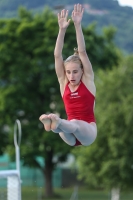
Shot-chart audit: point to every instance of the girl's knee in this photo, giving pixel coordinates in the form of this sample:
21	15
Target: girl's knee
68	138
89	141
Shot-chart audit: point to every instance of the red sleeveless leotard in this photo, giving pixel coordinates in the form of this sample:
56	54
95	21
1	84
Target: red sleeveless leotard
79	104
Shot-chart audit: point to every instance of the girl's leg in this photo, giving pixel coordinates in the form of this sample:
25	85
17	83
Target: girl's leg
69	138
85	132
57	130
65	125
52	122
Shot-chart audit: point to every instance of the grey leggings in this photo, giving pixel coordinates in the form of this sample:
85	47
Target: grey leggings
70	130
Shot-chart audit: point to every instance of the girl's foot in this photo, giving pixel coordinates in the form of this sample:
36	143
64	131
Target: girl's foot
55	121
46	121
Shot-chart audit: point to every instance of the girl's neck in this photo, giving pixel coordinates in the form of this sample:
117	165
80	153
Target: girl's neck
73	88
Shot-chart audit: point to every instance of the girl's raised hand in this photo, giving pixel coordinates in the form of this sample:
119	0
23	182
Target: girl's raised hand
77	13
62	19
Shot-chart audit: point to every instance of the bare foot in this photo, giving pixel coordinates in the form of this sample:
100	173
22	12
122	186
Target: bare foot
46	121
55	121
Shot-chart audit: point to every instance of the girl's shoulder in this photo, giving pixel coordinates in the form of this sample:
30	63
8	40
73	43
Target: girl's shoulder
89	84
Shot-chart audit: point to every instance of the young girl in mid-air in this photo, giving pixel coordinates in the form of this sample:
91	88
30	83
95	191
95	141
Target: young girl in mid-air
76	80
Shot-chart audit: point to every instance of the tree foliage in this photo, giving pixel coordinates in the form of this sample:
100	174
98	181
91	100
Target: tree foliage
28	83
108	162
105	13
29	86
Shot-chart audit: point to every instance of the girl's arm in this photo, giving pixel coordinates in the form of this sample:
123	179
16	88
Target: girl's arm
59	64
77	15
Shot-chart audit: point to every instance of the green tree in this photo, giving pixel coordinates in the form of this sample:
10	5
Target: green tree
29	87
108	162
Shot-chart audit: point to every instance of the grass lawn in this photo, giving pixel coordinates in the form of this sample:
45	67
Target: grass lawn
33	193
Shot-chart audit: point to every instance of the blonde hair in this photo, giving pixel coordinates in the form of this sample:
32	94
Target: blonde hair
74	58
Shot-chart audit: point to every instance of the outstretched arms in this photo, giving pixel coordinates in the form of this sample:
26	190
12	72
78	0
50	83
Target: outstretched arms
63	24
77	15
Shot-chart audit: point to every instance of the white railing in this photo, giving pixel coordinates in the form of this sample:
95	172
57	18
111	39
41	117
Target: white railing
12	177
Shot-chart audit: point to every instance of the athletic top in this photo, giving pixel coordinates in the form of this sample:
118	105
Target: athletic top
79	104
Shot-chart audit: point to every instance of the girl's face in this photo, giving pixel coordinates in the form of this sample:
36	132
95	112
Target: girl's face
74	73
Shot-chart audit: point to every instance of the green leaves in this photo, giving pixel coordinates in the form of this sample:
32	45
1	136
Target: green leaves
29	87
27	77
108	160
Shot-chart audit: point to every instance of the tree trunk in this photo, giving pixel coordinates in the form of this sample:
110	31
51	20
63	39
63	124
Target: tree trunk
48	183
48	173
115	194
